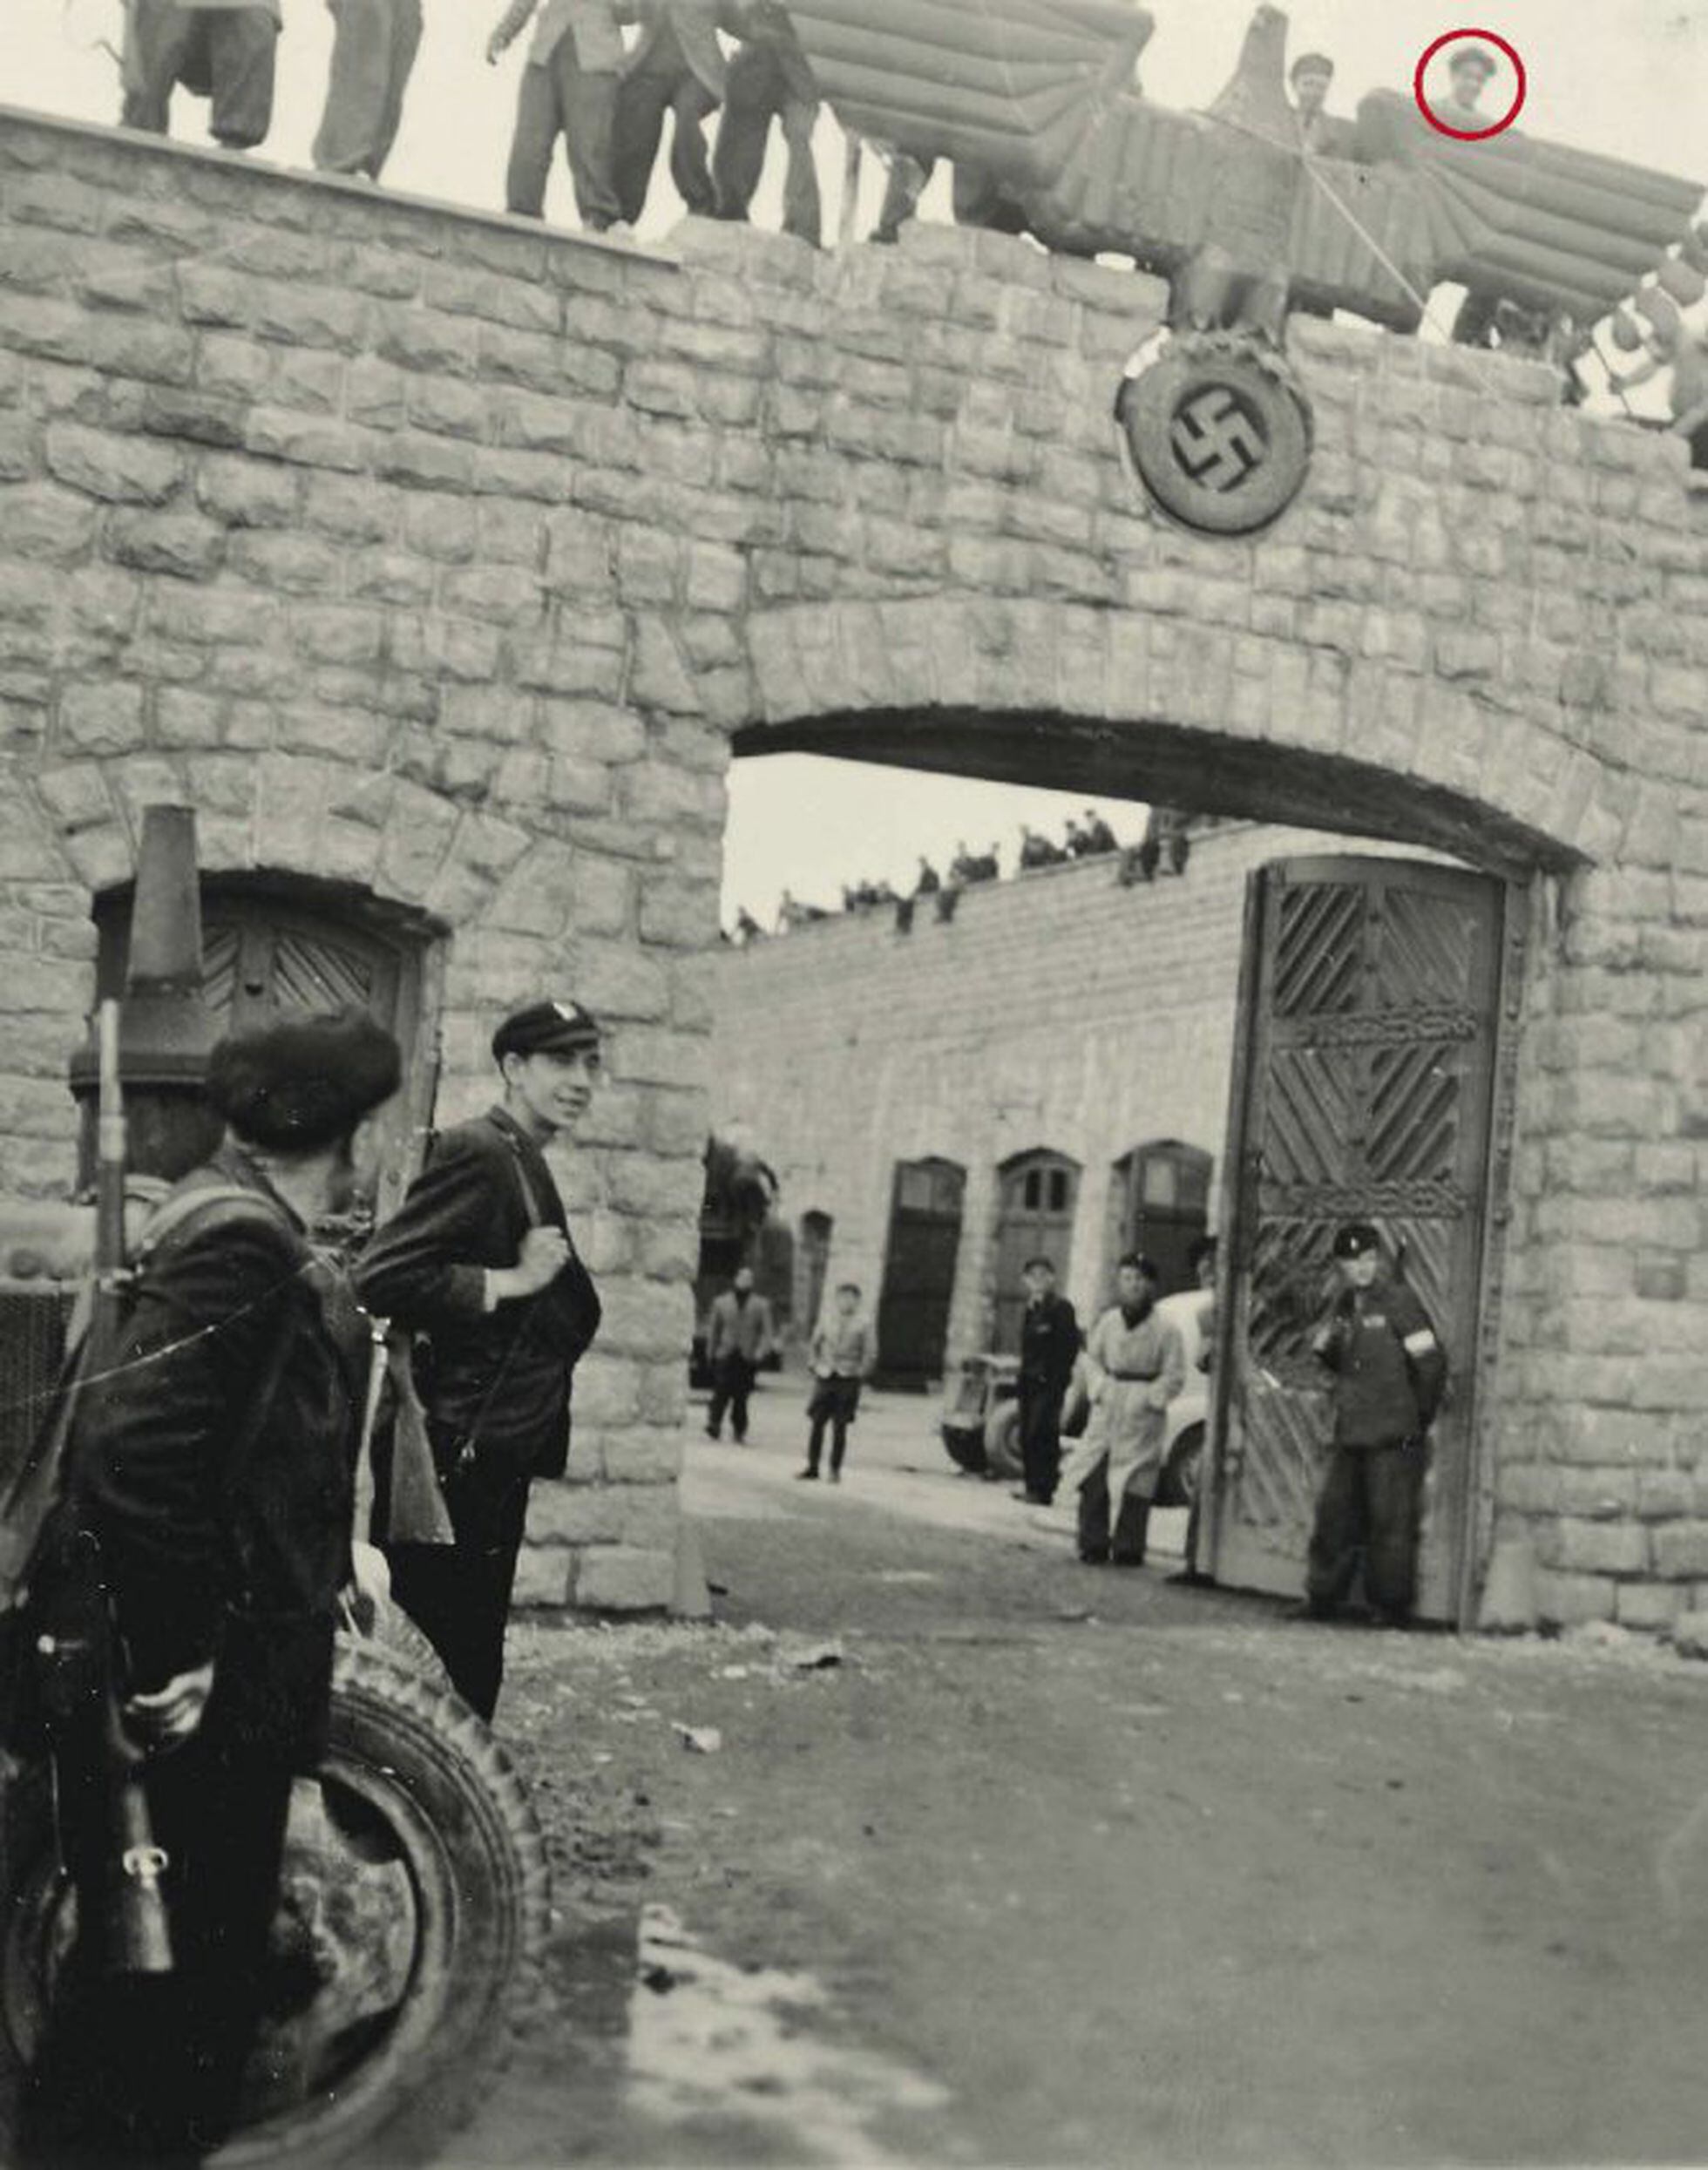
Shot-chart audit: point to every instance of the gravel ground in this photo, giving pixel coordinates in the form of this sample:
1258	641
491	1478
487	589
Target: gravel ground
938	1847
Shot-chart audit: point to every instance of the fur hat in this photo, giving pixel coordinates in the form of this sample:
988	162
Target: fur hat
305	1083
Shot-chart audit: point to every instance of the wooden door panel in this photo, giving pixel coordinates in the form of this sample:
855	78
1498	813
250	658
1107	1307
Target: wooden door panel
1369	1014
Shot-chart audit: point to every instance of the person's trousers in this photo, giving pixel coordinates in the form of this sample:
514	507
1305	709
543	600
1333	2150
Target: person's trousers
1041	1437
832	1407
757	93
1369	1510
665	84
227	53
149	2069
732	1382
903	188
560	97
374	46
458	1594
1125	1543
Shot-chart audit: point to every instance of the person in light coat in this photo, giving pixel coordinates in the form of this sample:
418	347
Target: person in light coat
1134	1366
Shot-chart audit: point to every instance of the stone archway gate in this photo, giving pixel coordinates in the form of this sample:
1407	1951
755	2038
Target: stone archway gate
445	557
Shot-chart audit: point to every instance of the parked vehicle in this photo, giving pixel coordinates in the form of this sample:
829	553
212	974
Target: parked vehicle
981	1416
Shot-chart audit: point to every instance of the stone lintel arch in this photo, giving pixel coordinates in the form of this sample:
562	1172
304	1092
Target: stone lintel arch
1123	704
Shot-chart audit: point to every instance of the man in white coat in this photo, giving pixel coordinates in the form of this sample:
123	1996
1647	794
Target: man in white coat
1134	1366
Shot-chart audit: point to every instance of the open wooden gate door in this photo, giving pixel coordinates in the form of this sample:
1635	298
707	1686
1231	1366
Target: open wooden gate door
1363	1088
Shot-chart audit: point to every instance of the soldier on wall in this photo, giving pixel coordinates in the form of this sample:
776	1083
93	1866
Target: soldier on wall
569	89
374	48
477	1262
676	67
771	78
211	1470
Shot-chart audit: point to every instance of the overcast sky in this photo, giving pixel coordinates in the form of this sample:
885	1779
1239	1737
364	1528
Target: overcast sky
1629	78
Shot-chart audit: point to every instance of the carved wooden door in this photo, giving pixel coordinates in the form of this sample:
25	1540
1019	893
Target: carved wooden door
1363	1088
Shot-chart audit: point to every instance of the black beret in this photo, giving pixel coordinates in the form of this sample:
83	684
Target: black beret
305	1083
1356	1239
1140	1264
1311	64
1475	57
558	1027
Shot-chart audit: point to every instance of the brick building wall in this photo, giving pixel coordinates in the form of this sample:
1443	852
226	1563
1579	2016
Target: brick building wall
438	559
1060	1010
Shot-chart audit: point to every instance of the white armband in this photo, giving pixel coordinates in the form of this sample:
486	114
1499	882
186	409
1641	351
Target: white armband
1421	1343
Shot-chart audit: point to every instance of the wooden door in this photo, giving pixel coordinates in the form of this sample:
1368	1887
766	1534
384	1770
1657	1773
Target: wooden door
1370	1002
1036	1197
919	1272
812	1260
1167	1208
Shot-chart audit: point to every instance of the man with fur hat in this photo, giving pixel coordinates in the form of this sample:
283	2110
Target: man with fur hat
478	1264
211	1468
1390	1373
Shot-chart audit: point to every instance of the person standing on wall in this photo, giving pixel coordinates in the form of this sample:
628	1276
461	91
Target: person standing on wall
374	46
739	1337
569	89
844	1355
210	1477
478	1263
771	78
678	68
221	50
1049	1347
1390	1373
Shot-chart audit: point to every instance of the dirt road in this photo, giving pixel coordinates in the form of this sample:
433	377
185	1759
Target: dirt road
1061	1864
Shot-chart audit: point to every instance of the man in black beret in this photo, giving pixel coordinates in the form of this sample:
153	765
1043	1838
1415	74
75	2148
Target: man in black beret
1390	1373
211	1462
478	1265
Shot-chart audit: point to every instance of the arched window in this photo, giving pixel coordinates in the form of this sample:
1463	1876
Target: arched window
812	1260
1036	1197
1163	1188
274	944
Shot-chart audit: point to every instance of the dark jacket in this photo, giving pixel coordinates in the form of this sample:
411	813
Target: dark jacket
1389	1366
696	24
1049	1343
485	1185
247	1575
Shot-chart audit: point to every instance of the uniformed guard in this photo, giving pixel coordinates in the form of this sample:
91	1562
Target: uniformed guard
478	1262
1390	1373
210	1475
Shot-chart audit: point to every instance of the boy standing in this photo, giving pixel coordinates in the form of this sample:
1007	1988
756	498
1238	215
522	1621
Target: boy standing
478	1260
844	1353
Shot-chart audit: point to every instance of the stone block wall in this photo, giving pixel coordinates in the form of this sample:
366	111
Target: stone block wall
440	559
1058	1009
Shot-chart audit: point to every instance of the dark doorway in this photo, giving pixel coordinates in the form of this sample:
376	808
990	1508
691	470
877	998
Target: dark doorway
1036	1196
1165	1187
919	1272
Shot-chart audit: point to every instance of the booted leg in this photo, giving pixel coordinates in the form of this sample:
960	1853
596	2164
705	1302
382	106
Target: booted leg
459	1594
158	37
1337	1535
642	101
749	102
814	1443
802	211
740	1385
1394	1482
242	45
1132	1526
1040	1441
374	44
589	105
1093	1519
690	168
902	191
538	121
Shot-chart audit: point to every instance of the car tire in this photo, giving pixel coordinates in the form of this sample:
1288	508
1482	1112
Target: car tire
414	1781
965	1445
1184	1469
1002	1443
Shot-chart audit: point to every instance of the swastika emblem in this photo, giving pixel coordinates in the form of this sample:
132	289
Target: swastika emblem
1218	429
1215	441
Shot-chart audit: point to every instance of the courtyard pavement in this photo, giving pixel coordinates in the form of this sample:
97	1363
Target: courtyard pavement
937	1848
